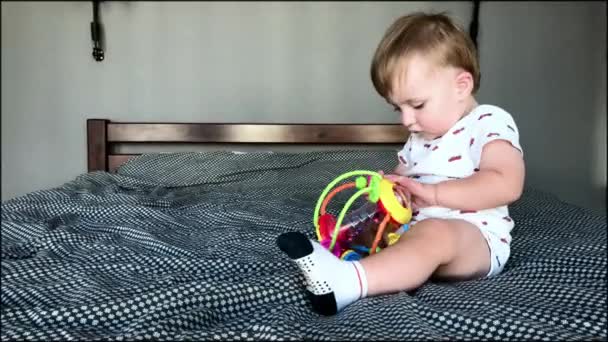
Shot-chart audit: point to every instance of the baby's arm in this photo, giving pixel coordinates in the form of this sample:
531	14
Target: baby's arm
400	170
498	182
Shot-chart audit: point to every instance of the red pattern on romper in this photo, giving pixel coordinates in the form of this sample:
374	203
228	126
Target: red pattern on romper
504	240
484	115
507	218
402	160
468	211
484	223
511	128
472	141
458	131
476	169
434	148
454	158
427	145
493	135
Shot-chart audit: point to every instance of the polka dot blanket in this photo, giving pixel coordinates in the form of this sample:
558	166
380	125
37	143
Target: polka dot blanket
181	246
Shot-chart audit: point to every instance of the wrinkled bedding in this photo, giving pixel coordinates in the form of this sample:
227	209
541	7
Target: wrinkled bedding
182	246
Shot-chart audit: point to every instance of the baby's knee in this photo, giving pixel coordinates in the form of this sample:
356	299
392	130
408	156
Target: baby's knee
439	235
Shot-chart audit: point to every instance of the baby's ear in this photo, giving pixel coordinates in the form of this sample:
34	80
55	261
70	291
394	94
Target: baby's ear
464	84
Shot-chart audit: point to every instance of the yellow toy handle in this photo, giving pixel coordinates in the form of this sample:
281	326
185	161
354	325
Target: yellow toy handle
390	202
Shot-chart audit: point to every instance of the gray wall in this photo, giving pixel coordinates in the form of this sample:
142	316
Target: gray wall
546	63
287	62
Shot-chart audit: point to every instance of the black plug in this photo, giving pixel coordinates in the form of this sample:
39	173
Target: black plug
98	53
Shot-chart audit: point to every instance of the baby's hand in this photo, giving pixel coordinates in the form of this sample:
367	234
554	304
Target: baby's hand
423	195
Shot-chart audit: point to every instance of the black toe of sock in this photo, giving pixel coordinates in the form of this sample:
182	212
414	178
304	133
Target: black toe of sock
323	304
294	244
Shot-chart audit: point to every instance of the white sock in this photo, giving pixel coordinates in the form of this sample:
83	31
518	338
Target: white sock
333	283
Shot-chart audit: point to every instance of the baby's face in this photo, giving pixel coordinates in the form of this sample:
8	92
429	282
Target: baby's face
427	96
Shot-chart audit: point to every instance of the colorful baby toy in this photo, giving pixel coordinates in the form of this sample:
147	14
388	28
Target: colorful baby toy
370	228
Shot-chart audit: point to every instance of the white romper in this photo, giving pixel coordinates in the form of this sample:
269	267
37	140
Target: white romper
457	154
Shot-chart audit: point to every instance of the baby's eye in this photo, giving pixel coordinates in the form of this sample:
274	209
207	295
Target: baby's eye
397	109
420	106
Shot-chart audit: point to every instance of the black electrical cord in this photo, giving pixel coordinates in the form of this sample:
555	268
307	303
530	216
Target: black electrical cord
98	52
474	27
474	31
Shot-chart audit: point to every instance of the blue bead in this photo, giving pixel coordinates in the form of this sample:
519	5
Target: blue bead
352	256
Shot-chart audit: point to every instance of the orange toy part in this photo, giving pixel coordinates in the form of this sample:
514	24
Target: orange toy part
381	227
332	194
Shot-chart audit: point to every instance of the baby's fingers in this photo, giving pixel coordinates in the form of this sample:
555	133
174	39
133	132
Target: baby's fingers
394	178
418	203
412	186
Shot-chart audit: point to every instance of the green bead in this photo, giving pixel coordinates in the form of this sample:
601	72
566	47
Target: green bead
374	193
360	182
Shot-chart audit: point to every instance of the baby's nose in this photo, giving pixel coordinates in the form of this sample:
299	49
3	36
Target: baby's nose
407	118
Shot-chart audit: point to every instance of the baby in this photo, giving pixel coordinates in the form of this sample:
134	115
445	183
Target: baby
462	164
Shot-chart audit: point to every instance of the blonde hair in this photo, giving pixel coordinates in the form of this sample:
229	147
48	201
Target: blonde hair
422	33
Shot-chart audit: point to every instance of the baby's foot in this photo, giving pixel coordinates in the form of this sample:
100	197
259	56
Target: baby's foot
332	283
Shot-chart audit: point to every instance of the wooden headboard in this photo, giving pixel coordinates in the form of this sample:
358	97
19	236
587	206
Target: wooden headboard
104	135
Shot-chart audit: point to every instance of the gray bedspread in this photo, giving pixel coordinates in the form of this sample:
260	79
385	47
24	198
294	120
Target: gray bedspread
182	246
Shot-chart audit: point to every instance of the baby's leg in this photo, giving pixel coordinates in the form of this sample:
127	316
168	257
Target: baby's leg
452	249
446	248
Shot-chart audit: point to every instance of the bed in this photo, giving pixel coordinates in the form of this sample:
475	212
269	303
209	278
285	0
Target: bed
181	246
